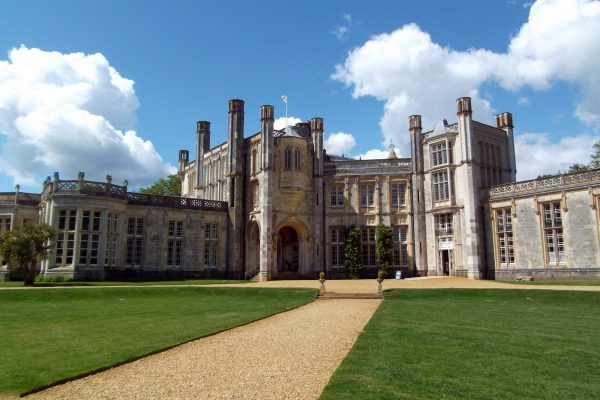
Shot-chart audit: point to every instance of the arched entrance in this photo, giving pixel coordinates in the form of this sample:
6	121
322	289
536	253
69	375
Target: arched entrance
253	250
288	251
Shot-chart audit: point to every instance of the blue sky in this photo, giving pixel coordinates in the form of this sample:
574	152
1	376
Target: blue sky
147	71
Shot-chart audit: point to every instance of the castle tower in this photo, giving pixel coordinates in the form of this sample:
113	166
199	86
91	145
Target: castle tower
504	121
468	184
267	254
316	131
202	147
235	188
417	192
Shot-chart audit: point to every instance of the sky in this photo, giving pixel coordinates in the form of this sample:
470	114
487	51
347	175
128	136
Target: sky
116	87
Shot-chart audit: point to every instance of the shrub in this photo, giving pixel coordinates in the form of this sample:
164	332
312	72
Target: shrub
352	253
384	245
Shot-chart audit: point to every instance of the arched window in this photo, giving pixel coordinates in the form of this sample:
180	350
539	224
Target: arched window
287	159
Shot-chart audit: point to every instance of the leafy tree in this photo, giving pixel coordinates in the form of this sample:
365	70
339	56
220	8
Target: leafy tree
165	187
384	248
352	253
25	247
595	157
578	167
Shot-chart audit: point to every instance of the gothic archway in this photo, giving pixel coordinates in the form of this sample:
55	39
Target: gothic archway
288	251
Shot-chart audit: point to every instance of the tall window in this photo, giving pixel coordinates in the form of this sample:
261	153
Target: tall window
89	239
65	240
337	246
367	242
112	239
297	159
400	234
443	225
504	233
367	195
398	194
441	190
254	195
135	240
253	162
287	159
336	197
553	232
175	241
439	154
211	241
4	228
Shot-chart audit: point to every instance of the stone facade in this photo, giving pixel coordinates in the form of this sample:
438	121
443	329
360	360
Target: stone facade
275	205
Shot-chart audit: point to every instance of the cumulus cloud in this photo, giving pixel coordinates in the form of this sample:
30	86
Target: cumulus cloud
279	123
537	155
339	143
69	113
374	154
412	74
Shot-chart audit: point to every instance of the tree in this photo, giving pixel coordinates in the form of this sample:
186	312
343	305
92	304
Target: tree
384	248
165	187
578	167
595	157
352	253
25	247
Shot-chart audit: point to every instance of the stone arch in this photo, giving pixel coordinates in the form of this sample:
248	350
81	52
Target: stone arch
291	249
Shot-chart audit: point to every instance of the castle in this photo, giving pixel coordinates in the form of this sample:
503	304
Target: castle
275	205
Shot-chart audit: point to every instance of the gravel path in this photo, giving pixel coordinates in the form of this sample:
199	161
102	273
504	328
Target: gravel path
288	356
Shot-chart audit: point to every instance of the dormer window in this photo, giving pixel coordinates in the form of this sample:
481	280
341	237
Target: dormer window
439	154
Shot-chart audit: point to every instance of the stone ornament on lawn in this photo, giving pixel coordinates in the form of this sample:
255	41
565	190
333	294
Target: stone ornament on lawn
322	280
380	275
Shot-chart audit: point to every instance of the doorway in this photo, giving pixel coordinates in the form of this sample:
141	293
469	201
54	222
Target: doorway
288	250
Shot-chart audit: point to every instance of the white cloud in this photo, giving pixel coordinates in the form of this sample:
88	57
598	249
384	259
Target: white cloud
347	17
523	100
412	74
340	32
537	155
374	154
279	123
339	143
69	113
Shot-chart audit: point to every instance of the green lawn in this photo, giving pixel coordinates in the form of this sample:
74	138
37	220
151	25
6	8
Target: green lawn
476	344
126	283
567	283
48	335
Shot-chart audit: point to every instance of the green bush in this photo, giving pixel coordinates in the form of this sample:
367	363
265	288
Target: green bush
352	253
384	246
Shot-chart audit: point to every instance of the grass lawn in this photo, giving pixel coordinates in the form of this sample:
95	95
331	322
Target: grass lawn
127	283
568	283
48	335
475	344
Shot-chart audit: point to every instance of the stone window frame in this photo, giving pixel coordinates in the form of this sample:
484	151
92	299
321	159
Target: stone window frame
553	237
174	242
439	153
211	244
366	192
297	159
504	232
89	237
135	242
440	185
400	245
398	199
367	246
336	200
5	225
287	159
444	224
64	247
336	245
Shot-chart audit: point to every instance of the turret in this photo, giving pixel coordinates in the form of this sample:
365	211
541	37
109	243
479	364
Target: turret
464	114
504	121
415	128
202	147
316	131
267	113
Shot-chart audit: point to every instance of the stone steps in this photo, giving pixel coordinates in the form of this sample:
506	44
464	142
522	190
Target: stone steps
349	296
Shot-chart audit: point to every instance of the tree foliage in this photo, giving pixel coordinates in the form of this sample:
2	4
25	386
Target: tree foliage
384	248
165	187
352	253
25	247
594	160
